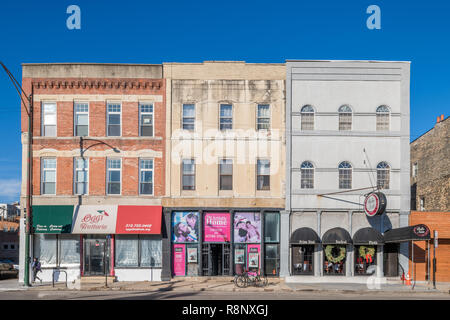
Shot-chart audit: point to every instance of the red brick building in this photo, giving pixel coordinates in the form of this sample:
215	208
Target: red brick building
98	146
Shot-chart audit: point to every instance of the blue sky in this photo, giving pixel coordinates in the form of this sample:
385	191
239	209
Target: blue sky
193	31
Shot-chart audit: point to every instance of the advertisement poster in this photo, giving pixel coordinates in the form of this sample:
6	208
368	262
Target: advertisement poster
179	258
239	256
247	227
185	226
192	255
253	256
217	227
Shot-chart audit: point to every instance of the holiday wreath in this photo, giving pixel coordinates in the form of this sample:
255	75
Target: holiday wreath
364	251
335	253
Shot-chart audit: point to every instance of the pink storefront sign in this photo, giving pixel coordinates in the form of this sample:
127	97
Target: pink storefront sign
179	259
253	256
216	227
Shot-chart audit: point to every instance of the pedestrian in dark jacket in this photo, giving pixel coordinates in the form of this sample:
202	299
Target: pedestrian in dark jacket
36	267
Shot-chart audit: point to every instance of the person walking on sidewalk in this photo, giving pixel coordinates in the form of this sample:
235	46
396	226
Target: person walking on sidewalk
36	267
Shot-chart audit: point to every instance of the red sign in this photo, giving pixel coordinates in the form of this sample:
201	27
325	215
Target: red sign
139	220
374	204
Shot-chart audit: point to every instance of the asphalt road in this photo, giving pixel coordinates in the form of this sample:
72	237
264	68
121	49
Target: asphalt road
209	295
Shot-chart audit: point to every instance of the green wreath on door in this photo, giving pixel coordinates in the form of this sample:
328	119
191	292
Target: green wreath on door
335	258
366	250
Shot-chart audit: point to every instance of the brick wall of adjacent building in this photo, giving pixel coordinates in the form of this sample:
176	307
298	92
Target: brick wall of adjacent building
72	83
439	221
431	154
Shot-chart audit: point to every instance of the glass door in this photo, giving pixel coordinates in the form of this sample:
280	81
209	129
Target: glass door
96	257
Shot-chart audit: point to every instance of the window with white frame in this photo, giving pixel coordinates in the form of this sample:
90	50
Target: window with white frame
226	117
345	175
345	118
114	119
382	118
146	176
307	175
48	119
114	168
263	119
415	169
263	174
307	117
188	174
422	203
81	174
383	173
81	119
188	117
146	119
226	174
48	176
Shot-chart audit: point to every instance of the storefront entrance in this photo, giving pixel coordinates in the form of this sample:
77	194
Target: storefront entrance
302	259
96	256
390	258
216	259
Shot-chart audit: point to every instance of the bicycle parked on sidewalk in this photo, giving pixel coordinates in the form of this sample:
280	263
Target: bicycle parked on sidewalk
249	278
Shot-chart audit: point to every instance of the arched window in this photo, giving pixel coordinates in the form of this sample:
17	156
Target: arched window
345	118
383	175
307	175
345	175
382	118
307	113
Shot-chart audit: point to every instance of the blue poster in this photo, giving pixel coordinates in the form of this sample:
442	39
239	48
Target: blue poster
185	226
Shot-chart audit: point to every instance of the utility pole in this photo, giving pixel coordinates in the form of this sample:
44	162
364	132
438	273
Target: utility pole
28	212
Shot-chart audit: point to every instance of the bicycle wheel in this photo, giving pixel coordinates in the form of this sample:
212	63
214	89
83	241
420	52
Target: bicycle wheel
240	282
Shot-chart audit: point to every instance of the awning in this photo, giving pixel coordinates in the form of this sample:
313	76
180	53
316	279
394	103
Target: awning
304	236
97	219
368	236
412	233
52	219
336	236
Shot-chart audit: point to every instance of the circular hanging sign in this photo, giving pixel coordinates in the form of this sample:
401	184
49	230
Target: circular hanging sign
374	204
421	230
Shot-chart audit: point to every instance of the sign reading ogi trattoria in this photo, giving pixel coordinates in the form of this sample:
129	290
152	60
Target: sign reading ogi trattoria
375	204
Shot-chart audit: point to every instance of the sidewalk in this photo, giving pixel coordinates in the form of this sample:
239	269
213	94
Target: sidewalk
226	284
11	285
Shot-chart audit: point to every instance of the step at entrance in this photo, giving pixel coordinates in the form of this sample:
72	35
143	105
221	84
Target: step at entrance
97	280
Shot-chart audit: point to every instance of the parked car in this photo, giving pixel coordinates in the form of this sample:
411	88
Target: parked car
7	269
16	266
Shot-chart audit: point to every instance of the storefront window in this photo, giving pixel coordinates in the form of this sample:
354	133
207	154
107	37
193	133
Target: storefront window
151	255
272	259
365	260
192	260
272	227
45	248
240	258
69	249
334	260
302	259
127	251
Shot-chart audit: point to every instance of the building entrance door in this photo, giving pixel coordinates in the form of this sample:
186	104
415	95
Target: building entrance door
390	257
216	259
96	257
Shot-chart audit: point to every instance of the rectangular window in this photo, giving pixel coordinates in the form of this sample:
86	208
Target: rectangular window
263	174
81	119
422	203
49	119
146	176
114	119
188	174
263	120
226	174
114	169
68	249
45	248
226	117
134	251
345	121
272	227
48	176
414	170
272	259
188	117
81	174
146	120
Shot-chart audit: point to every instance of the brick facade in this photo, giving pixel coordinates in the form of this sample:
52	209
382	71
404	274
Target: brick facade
431	154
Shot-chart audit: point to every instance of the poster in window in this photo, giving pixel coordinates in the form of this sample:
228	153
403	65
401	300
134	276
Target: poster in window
239	255
192	255
185	226
217	227
247	227
253	259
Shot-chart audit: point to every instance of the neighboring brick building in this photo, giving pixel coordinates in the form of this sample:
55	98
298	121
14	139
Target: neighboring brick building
439	221
9	240
430	168
98	157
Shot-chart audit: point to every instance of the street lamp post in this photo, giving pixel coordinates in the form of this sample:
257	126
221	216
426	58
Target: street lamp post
28	212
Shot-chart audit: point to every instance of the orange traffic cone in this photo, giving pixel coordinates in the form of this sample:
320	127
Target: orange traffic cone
408	279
